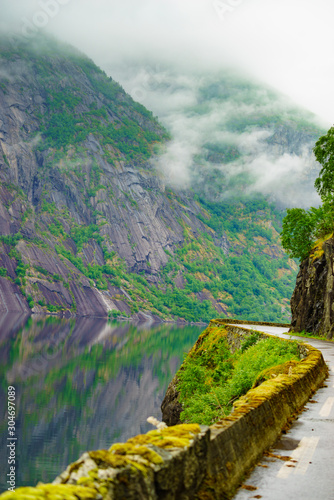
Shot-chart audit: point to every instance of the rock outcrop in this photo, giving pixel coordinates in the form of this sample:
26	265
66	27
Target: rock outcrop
171	407
312	302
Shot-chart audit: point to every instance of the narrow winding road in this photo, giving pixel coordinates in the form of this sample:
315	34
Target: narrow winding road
309	472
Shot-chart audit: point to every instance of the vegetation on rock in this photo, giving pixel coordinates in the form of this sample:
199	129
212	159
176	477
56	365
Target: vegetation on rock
301	228
212	377
88	216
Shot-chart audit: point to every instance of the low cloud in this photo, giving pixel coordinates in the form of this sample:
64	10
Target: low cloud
164	53
194	108
288	179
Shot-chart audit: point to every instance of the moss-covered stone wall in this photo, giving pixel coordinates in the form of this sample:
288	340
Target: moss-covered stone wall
239	440
190	461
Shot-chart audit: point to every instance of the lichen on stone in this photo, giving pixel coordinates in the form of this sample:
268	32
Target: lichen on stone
53	492
318	248
286	368
129	449
105	459
108	460
178	436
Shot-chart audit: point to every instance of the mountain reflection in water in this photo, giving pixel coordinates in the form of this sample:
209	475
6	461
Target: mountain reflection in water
81	384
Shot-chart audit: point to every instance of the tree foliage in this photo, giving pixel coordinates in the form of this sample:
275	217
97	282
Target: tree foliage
302	228
324	153
298	232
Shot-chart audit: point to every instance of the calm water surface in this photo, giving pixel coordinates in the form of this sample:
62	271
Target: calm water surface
81	384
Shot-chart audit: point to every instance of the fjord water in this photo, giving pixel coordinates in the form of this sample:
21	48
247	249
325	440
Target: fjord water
81	384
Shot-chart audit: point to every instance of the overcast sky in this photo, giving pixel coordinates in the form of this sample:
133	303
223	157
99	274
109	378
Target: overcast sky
286	43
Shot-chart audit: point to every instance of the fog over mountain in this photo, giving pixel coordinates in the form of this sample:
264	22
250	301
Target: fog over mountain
272	139
90	227
285	44
164	54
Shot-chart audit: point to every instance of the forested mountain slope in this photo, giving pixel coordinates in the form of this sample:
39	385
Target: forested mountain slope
89	226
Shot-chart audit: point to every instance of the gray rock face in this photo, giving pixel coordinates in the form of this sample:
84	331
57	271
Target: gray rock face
94	183
87	225
11	299
171	408
312	300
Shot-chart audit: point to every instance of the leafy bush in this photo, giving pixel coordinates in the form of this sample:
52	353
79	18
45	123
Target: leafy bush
324	153
42	270
298	234
250	340
3	271
302	228
11	239
54	308
82	234
30	301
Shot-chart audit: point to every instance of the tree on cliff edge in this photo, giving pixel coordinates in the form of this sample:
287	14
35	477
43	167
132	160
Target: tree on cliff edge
324	153
302	228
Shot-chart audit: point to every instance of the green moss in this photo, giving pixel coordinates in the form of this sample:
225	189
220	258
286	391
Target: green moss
76	466
108	458
52	492
105	459
178	436
286	368
85	481
130	449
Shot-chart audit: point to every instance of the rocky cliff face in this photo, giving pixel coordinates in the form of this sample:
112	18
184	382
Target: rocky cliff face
87	225
312	302
105	183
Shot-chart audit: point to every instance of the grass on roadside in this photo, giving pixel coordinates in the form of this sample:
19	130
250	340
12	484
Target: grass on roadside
308	335
212	378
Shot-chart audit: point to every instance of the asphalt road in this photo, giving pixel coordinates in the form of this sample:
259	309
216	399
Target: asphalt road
309	473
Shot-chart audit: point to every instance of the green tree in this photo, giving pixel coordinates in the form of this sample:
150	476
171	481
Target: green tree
325	217
324	153
298	233
302	228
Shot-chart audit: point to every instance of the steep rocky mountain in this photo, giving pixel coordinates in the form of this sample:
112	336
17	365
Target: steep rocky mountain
88	225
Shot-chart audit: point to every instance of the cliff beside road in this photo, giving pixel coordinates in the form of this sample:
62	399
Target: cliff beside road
312	299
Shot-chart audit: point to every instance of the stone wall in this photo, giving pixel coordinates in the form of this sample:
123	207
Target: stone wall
191	461
239	440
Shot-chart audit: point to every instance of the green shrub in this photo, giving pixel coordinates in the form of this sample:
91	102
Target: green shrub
114	313
3	271
42	270
54	308
30	301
